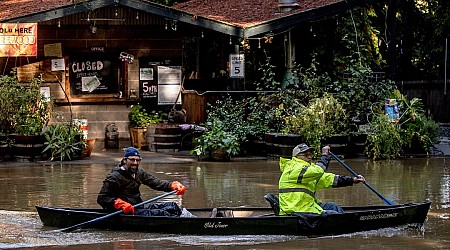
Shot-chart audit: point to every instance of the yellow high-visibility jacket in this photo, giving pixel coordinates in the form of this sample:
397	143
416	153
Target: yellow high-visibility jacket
298	183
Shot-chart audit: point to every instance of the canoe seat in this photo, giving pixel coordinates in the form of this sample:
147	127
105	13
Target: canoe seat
221	213
274	203
213	213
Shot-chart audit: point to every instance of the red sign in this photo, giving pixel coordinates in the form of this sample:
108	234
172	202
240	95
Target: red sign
18	39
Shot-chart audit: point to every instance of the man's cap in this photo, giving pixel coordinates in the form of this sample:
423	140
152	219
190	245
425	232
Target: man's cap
130	151
300	148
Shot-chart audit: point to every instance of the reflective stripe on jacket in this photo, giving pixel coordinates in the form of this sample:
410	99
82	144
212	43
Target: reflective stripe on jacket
298	183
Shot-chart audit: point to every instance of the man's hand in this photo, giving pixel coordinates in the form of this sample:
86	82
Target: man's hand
126	207
359	179
325	150
179	187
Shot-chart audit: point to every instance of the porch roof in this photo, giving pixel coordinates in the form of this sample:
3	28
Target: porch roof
234	17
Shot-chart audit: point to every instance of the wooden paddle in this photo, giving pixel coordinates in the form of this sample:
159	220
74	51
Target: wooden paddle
81	225
386	201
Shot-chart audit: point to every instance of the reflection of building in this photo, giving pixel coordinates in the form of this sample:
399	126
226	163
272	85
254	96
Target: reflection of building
112	41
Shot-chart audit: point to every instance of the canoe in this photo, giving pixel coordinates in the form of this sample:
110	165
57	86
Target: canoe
246	220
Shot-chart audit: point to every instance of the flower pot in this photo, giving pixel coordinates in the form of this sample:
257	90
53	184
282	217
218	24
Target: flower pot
163	137
357	144
138	137
88	149
338	144
27	148
4	148
220	155
281	145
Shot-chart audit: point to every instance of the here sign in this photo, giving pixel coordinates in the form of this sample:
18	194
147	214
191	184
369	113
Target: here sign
236	66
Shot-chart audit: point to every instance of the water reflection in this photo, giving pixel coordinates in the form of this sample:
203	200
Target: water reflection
222	184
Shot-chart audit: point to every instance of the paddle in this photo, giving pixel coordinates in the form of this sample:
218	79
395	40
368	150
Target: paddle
386	201
78	226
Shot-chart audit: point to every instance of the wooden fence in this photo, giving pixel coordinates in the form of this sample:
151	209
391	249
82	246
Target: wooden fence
434	94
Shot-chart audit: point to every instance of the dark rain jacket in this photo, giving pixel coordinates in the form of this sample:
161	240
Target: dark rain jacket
120	184
300	180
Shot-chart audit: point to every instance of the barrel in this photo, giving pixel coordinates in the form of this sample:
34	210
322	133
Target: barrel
27	148
281	145
4	148
357	144
164	137
338	144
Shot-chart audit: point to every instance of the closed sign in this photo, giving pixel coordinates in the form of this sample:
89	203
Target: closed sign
236	66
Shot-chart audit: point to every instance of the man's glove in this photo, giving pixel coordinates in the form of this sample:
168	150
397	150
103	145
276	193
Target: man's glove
179	187
126	207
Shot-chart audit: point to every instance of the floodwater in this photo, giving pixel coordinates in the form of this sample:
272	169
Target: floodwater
222	184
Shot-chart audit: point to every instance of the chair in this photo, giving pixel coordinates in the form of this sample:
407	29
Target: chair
274	203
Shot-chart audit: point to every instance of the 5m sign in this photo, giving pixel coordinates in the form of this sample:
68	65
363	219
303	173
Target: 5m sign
236	66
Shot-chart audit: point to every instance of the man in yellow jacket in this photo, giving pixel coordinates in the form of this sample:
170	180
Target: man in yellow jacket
300	179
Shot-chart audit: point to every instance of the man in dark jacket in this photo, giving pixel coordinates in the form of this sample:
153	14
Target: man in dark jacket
121	189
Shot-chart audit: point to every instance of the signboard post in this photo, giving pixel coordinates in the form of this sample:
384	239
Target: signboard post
236	66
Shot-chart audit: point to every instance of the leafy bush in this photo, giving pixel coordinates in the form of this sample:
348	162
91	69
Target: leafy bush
388	139
140	118
63	141
320	118
216	138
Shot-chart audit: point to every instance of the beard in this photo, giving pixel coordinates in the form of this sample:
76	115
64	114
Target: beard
133	168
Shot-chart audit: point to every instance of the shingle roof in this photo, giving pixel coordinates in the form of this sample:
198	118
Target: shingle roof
233	17
246	13
10	9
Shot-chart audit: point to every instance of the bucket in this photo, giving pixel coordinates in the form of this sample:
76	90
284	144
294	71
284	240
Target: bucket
164	137
83	124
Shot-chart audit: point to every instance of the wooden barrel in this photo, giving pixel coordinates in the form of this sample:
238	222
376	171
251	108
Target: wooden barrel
4	148
28	148
338	144
357	144
281	145
164	137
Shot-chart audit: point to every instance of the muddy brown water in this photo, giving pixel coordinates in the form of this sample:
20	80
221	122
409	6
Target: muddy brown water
222	184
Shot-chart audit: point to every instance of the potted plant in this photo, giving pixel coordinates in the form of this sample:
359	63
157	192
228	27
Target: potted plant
216	143
64	142
28	113
139	122
322	118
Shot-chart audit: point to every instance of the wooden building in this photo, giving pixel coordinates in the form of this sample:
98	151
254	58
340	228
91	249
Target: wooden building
99	57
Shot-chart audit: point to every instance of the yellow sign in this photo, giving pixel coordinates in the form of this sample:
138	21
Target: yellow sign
18	39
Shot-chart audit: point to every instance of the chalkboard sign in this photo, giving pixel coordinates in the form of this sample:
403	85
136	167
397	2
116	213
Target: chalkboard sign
93	73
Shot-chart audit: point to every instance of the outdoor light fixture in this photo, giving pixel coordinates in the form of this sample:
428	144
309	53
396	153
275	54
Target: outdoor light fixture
59	23
137	15
93	28
174	25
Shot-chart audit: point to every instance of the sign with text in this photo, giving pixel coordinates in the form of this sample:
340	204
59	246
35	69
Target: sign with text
169	83
93	73
236	66
18	39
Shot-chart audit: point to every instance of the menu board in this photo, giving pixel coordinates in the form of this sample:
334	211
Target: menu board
93	73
